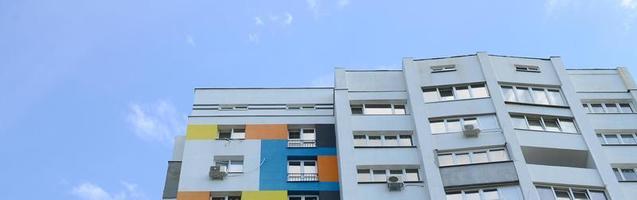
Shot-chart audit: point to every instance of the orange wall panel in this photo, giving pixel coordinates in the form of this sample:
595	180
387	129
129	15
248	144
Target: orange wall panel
328	168
267	131
193	196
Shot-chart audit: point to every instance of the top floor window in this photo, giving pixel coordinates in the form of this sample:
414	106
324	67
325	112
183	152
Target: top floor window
232	133
527	68
443	68
302	137
609	107
534	95
455	92
378	109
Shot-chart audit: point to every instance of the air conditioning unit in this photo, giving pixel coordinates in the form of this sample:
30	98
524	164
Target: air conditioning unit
217	172
395	183
470	130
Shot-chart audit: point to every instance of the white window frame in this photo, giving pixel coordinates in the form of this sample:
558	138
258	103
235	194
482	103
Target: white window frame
532	94
234	133
570	190
527	68
445	122
588	107
621	173
302	142
443	68
302	172
226	168
304	196
392	107
559	123
387	174
382	139
480	191
472	157
455	93
604	141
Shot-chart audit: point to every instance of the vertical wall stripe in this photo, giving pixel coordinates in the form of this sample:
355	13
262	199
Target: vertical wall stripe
193	196
264	195
267	131
201	132
327	168
325	135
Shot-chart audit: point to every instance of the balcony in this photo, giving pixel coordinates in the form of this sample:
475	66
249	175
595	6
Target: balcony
302	177
301	143
564	175
482	173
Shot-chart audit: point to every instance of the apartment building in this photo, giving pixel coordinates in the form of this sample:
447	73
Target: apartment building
465	127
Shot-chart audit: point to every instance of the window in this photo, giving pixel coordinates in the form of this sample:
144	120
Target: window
455	92
566	193
626	174
378	109
237	197
534	95
544	123
452	125
381	175
527	68
232	134
230	164
608	107
474	194
443	68
473	156
302	171
382	139
622	138
303	197
302	137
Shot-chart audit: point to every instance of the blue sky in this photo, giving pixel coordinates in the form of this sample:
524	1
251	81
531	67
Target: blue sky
92	92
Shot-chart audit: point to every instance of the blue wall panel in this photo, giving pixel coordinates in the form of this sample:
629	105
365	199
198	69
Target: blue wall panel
273	172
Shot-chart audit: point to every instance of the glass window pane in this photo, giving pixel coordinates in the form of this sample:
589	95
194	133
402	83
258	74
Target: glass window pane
472	195
498	155
311	198
601	139
295	198
555	97
218	198
374	140
238	135
628	139
612	139
586	109
611	108
562	195
629	174
479	91
534	123
471	120
396	172
625	108
551	124
507	91
462	158
580	195
462	92
391	140
430	95
377	109
437	127
445	159
453	125
491	194
479	157
379	176
519	122
446	94
411	175
568	126
597	108
597	195
545	193
454	196
523	95
357	109
236	166
399	109
224	134
362	175
617	174
294	167
539	96
294	134
359	140
405	140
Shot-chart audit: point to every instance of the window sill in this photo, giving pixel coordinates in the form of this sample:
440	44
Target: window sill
433	102
611	113
385	182
229	139
385	147
441	71
546	131
528	71
536	104
471	164
619	145
629	181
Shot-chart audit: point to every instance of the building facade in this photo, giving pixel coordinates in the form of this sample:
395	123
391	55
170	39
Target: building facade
466	127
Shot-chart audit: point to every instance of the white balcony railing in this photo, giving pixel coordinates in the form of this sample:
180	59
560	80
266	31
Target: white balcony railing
301	143
302	177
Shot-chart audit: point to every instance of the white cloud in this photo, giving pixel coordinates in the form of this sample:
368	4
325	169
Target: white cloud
629	4
552	6
157	121
343	3
288	19
90	191
314	6
253	37
190	40
258	21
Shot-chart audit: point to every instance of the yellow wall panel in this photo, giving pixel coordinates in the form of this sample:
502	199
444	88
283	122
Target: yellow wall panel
264	195
202	132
